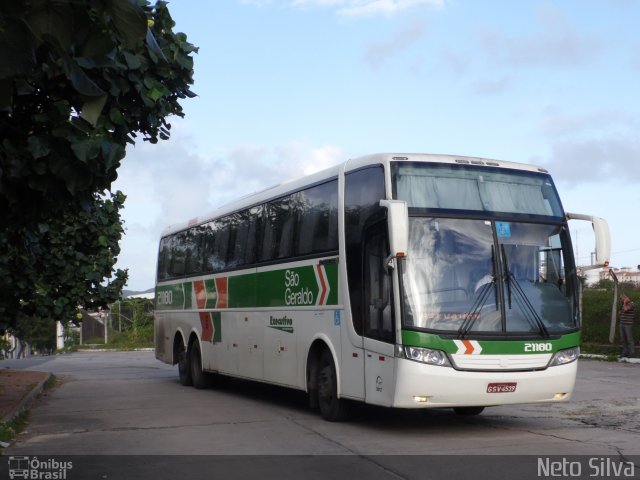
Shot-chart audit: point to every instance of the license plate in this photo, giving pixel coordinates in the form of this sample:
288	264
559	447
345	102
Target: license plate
502	387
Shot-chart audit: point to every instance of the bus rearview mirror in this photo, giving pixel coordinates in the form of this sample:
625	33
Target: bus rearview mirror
398	224
602	237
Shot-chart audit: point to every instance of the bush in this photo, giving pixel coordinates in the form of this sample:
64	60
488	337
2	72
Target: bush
135	318
596	317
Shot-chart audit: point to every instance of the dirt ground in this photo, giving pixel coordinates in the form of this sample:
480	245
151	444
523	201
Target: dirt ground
14	386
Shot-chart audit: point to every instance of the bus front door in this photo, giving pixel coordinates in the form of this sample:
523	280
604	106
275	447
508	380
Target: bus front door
379	325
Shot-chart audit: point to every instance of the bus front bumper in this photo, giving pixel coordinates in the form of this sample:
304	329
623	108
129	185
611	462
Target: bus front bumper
425	386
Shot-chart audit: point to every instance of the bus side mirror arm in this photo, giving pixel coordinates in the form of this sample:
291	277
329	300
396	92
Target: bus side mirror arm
602	236
398	224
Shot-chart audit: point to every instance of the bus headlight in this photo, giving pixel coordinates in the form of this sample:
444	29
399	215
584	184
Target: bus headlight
426	355
565	356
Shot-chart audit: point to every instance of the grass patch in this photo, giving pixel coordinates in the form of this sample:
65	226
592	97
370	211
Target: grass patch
132	338
9	430
599	349
129	339
50	383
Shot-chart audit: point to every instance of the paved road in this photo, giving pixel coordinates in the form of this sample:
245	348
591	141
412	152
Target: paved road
131	404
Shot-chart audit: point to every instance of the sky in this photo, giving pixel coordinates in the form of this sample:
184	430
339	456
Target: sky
289	87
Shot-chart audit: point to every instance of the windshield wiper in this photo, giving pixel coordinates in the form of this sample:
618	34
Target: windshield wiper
473	314
521	298
507	274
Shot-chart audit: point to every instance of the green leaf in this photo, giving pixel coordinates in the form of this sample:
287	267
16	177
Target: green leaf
130	21
116	117
36	147
92	109
155	94
154	48
134	62
86	150
112	154
82	83
52	19
97	44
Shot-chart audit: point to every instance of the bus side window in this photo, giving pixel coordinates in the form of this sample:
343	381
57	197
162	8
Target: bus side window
193	262
221	248
207	245
317	227
269	238
285	248
254	216
178	255
164	258
244	239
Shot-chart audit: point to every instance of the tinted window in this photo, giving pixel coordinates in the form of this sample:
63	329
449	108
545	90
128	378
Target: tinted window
363	191
242	246
299	224
378	297
303	223
164	257
221	244
178	252
193	239
317	229
279	221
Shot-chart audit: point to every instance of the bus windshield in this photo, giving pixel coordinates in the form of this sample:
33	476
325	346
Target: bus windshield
473	188
488	276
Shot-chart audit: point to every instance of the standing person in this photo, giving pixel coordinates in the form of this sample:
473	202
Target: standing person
627	314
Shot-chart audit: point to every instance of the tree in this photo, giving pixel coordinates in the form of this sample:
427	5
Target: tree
79	80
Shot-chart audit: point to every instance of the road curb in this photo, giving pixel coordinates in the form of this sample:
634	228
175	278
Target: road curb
595	356
26	402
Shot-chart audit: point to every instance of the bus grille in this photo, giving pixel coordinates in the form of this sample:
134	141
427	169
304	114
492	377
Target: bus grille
501	362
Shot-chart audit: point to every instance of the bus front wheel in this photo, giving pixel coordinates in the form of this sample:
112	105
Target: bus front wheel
331	407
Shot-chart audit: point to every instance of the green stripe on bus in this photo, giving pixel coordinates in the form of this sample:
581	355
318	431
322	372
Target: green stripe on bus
188	295
492	347
305	286
212	293
172	297
216	318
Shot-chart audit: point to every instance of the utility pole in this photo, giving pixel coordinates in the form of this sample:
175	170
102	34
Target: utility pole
614	306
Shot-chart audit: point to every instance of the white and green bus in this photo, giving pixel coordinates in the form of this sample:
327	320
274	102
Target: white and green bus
401	280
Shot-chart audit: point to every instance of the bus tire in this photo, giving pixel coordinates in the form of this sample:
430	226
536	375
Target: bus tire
468	411
184	370
332	408
200	378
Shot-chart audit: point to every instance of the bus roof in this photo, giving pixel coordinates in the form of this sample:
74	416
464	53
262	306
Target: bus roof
294	184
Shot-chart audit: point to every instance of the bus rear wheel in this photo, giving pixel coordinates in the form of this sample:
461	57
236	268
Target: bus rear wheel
184	370
200	378
332	408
